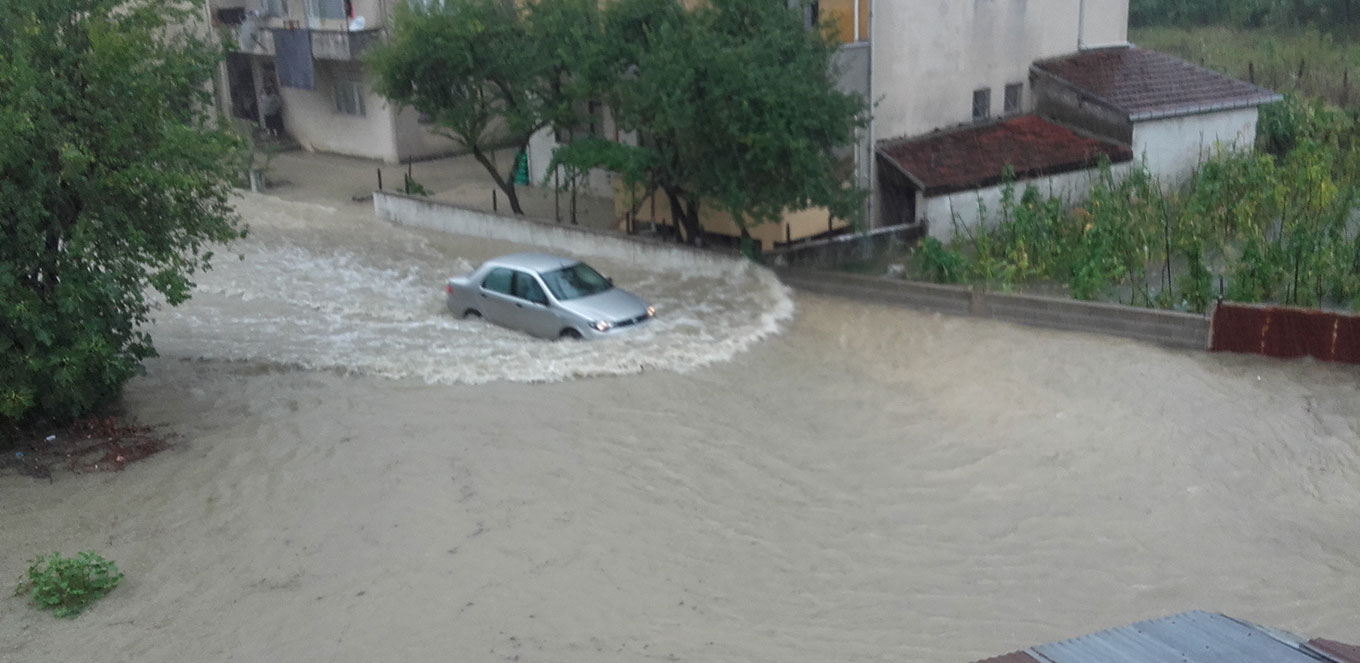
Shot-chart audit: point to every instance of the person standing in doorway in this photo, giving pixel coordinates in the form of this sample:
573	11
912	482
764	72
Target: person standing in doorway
271	107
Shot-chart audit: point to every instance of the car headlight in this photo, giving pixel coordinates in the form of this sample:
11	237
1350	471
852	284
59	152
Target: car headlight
602	325
651	311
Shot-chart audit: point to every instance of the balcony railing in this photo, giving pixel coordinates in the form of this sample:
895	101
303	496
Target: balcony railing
343	45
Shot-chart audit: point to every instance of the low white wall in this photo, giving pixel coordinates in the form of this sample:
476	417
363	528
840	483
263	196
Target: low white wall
575	240
983	206
1173	148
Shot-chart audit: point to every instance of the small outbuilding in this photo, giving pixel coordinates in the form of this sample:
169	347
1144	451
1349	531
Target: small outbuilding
1172	114
954	177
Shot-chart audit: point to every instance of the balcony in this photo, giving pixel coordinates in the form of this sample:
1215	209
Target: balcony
339	45
343	45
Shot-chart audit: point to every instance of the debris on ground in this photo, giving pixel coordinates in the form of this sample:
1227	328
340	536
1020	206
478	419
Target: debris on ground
96	444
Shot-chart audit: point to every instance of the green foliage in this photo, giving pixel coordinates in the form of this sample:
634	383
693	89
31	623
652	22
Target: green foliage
113	186
733	104
939	263
1251	227
66	586
1244	13
488	71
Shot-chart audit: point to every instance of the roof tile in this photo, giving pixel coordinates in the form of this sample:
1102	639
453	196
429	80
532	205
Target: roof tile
963	159
1148	85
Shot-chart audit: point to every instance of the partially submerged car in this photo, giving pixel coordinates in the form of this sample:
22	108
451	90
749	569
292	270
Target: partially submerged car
547	296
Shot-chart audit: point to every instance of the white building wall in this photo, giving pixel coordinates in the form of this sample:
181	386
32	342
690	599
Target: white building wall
1104	23
541	147
930	55
1173	148
416	141
311	117
982	207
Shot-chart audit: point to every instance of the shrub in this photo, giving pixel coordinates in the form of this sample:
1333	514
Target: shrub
68	585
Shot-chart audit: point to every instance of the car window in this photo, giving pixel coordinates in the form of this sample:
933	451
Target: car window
526	287
579	280
498	280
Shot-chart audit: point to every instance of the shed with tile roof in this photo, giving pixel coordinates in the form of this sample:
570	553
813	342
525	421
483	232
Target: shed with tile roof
941	178
1172	113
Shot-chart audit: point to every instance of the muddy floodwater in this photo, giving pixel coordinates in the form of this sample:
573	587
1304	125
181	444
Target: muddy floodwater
759	476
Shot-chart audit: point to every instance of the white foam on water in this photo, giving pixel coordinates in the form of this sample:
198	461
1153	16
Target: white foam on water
324	288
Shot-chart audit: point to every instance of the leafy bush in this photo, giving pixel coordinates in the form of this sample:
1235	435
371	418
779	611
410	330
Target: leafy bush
104	213
1272	228
68	585
940	264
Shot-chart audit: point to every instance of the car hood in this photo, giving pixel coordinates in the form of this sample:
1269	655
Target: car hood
613	305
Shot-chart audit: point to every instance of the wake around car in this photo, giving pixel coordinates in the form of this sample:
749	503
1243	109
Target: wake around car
547	296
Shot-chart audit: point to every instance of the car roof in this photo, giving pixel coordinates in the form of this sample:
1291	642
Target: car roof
533	262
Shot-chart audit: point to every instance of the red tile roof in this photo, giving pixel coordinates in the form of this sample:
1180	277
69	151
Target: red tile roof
1148	85
1342	653
975	157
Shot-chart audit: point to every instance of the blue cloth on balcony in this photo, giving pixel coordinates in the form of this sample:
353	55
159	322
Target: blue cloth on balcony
293	58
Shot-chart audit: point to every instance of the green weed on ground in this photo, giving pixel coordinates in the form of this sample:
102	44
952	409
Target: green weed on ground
66	586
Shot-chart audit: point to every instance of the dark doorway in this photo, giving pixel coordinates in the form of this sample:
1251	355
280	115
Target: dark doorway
241	82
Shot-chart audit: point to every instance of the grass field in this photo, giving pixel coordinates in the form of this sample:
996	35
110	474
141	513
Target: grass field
1310	62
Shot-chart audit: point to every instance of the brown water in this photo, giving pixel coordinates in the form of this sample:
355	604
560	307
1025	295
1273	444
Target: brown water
364	478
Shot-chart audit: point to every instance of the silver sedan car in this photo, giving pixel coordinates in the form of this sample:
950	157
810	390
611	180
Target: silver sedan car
546	296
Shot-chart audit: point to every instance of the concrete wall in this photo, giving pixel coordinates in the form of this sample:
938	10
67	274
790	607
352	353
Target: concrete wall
575	240
311	118
1179	330
930	55
983	206
1104	23
1062	103
1173	148
877	244
415	140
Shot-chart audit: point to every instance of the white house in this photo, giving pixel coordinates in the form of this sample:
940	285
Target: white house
1048	88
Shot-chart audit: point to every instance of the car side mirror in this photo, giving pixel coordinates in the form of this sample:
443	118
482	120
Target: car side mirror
609	280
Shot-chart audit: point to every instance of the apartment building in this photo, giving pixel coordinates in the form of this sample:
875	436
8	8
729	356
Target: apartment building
309	51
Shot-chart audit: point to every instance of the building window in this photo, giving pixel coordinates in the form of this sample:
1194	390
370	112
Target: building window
812	14
349	97
328	8
1014	95
274	7
982	104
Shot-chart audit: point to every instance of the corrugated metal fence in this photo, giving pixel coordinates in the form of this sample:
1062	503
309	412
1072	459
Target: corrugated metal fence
1286	333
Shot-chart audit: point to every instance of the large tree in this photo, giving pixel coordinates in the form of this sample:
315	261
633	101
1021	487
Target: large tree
733	104
113	187
489	72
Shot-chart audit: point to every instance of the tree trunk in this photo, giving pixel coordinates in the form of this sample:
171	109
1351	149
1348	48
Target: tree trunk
685	211
506	185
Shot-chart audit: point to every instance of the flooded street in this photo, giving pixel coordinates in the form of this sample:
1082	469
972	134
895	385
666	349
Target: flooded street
760	476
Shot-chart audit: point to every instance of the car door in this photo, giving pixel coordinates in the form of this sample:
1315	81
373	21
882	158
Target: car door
494	298
532	313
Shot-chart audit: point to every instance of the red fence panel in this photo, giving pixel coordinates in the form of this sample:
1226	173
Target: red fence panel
1286	332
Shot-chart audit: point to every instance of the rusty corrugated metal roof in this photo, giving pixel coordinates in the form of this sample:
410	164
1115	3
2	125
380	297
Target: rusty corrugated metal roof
1147	85
975	157
1013	657
1338	652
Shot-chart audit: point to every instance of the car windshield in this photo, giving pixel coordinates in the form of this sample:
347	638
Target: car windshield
576	281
